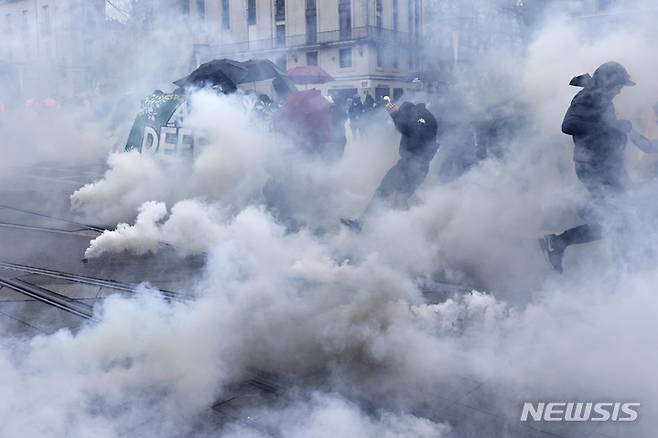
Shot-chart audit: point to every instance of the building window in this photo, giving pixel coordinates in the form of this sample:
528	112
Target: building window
311	58
280	10
381	92
201	11
410	17
345	56
417	17
25	25
90	16
281	35
380	55
379	14
396	15
8	23
396	62
45	20
311	22
251	12
226	15
185	7
345	19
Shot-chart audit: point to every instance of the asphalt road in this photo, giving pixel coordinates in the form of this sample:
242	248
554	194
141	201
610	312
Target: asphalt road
37	229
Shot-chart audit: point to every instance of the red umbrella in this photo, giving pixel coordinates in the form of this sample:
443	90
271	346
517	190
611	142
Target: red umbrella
306	118
309	74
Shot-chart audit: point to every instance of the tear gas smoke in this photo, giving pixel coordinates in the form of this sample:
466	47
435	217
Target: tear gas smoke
63	136
192	228
365	326
234	165
343	316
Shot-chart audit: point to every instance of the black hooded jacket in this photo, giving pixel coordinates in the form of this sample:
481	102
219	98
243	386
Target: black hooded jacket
593	123
419	129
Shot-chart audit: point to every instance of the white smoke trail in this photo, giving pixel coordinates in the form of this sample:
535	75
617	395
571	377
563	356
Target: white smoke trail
191	228
140	239
343	312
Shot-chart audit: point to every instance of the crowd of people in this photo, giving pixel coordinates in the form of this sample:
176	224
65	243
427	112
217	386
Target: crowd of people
319	126
599	137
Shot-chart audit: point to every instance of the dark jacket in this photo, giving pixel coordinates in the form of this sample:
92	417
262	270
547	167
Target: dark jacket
593	123
419	129
368	103
356	109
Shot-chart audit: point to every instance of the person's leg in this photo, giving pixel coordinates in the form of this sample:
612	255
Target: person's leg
276	200
415	172
390	185
581	234
399	184
554	245
387	188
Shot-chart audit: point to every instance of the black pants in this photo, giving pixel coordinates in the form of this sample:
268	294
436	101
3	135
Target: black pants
401	182
603	183
278	204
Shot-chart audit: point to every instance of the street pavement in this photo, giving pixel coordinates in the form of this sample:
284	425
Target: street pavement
37	230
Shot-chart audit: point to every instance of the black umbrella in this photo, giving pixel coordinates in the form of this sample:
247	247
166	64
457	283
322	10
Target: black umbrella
227	74
261	70
219	72
264	69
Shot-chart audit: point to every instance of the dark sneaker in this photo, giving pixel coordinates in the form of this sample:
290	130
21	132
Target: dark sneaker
353	224
552	252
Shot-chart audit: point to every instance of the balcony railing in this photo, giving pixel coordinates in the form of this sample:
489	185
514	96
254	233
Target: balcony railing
358	34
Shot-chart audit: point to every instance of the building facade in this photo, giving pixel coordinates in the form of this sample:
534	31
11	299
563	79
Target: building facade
460	33
50	44
368	46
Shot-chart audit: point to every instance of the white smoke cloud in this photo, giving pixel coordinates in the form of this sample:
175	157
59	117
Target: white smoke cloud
191	228
282	303
328	416
65	136
344	312
141	238
234	167
131	177
227	168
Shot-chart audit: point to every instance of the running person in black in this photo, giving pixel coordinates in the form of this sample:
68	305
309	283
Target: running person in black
600	139
418	146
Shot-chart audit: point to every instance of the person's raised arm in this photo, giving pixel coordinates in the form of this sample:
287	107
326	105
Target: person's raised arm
401	117
644	144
